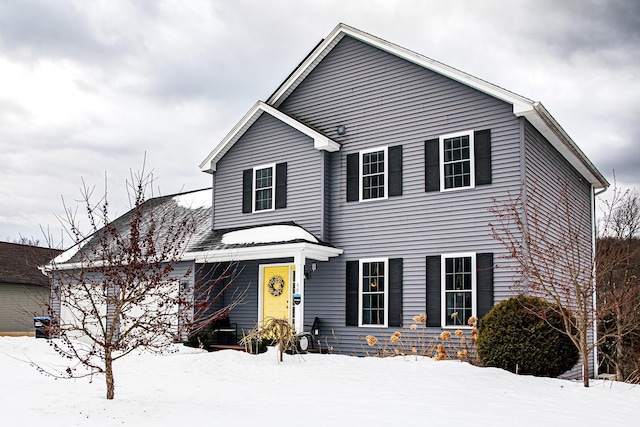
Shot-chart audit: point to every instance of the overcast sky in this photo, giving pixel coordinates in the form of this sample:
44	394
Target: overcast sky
87	87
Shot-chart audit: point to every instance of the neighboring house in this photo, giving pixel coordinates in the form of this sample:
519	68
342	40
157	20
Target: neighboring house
359	191
24	289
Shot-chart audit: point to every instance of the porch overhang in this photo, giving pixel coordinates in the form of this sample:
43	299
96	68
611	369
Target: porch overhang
313	251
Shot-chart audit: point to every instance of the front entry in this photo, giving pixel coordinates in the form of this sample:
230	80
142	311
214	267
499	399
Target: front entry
276	291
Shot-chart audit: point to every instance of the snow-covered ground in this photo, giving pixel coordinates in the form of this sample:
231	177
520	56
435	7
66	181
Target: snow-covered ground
231	388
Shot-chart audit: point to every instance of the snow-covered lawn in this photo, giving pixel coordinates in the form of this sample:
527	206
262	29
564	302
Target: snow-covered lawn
231	388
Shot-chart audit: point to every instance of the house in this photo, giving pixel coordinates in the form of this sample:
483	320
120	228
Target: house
358	192
24	289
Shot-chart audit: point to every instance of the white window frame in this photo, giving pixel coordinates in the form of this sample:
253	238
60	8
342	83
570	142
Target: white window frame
386	292
443	287
386	173
472	177
254	190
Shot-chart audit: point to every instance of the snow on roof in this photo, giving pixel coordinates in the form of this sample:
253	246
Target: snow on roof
69	253
193	206
267	234
195	200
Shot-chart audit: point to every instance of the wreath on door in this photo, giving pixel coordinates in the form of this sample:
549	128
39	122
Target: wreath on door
276	286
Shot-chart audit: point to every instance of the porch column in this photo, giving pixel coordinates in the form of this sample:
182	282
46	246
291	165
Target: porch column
298	289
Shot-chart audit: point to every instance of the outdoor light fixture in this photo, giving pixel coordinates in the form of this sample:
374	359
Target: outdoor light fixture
307	273
342	130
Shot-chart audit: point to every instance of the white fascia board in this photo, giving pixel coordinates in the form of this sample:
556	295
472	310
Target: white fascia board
544	122
309	250
519	103
320	142
209	163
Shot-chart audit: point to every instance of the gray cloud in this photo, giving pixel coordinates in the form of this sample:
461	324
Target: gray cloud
37	29
170	78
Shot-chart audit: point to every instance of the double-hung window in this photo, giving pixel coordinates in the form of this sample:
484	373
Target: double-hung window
373	174
459	285
457	166
263	188
458	161
458	288
373	292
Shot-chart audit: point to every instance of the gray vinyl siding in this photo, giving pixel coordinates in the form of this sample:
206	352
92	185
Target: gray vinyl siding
385	101
271	141
19	304
546	172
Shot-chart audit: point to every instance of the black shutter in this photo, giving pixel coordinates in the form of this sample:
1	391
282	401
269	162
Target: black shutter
395	171
482	150
434	290
484	281
395	292
281	185
353	276
431	165
247	188
353	175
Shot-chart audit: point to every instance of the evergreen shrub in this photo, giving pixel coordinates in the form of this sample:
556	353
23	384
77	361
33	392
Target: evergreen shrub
514	336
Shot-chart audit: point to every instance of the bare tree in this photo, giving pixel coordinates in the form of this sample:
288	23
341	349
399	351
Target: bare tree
124	288
550	242
618	268
23	240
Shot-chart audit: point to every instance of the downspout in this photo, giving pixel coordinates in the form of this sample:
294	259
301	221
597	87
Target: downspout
213	201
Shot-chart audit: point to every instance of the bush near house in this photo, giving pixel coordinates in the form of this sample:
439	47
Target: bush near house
522	335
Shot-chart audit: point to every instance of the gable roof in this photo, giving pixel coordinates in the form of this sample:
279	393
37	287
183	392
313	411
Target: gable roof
533	111
320	142
279	240
195	205
204	244
19	264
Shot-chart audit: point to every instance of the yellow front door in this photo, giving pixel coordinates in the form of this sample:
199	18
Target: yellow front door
276	292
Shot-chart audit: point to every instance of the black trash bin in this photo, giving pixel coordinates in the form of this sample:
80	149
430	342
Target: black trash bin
42	325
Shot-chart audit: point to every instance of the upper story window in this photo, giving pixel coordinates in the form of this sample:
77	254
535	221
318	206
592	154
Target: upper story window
263	188
373	174
458	161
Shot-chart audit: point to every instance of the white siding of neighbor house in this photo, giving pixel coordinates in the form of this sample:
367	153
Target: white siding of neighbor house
182	272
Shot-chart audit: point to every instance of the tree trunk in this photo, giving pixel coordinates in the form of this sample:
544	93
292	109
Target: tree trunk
584	351
108	370
619	344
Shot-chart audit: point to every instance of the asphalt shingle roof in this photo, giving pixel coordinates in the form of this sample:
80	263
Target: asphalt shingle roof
19	263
